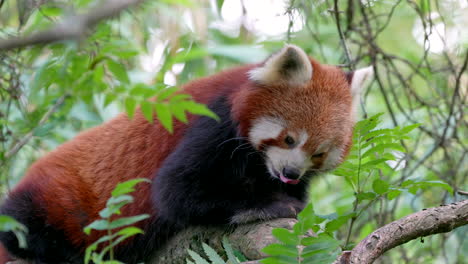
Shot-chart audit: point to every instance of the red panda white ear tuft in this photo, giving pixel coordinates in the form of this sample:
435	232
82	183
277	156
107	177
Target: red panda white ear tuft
357	83
359	77
290	66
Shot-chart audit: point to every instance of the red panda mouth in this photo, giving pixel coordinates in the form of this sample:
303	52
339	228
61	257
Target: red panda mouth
287	180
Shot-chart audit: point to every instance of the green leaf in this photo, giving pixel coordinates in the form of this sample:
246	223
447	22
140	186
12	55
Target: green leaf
212	255
142	90
43	130
127	186
119	71
127	221
280	260
51	11
281	250
413	189
130	106
307	219
98	73
321	244
240	256
164	116
427	184
229	251
335	224
125	54
407	129
130	231
178	112
198	259
285	236
392	194
407	183
108	212
322	258
100	224
114	204
219	5
377	132
374	163
364	126
109	99
166	92
147	110
114	200
380	186
378	140
199	109
343	171
380	148
413	186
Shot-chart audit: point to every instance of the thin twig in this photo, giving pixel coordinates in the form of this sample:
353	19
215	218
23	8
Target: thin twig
342	37
43	120
73	27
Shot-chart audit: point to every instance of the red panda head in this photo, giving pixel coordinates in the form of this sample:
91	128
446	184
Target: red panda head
299	112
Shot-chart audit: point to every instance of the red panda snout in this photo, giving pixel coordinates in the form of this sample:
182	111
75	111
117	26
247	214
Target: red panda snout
291	154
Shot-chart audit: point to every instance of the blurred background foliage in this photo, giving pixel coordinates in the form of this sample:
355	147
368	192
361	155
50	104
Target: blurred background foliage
418	48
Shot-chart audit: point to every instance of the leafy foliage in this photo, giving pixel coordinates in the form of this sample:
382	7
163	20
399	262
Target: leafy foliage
116	228
298	246
213	257
369	159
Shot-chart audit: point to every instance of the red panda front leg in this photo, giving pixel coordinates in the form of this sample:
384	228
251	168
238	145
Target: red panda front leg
284	207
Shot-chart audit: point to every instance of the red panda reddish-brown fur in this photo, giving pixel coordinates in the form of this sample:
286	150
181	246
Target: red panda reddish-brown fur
69	186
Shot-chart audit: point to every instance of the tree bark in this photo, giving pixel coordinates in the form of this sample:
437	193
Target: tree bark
248	239
430	221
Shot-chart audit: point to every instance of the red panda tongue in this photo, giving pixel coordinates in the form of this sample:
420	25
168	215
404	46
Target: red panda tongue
288	181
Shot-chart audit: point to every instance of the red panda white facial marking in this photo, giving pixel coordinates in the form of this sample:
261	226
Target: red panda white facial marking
265	128
289	164
283	159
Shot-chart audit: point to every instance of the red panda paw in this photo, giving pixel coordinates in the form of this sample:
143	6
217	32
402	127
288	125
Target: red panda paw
287	208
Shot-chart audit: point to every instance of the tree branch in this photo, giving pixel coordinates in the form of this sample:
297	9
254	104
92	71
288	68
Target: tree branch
248	239
73	27
430	221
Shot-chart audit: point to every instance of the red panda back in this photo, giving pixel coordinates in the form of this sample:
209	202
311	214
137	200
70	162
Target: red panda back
76	179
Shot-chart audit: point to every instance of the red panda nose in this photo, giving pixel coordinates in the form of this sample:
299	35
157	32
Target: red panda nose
291	173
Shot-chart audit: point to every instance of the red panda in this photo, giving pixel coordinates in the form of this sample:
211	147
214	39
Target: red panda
281	122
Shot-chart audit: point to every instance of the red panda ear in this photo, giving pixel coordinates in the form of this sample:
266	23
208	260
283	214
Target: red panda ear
358	78
357	81
290	66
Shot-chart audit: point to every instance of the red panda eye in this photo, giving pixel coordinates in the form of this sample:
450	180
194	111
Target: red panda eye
289	141
319	155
